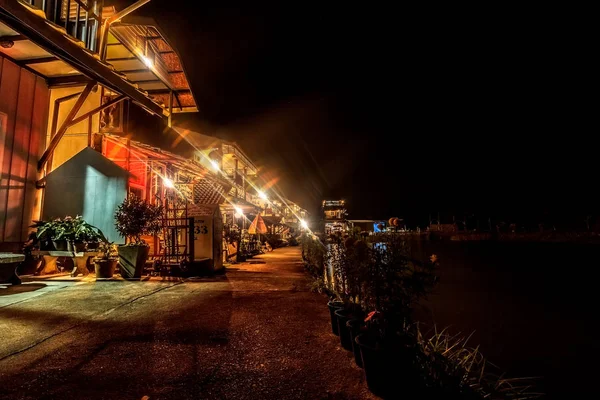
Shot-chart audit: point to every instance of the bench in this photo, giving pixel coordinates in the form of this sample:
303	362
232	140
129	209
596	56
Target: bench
80	261
8	267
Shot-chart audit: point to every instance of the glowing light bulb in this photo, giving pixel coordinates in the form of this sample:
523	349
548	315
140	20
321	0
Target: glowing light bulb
168	183
214	164
147	61
303	224
238	212
262	195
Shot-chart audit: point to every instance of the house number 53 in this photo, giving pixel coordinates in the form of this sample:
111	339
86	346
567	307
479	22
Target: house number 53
200	230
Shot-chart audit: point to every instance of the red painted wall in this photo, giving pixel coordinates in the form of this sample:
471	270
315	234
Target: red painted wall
23	118
118	153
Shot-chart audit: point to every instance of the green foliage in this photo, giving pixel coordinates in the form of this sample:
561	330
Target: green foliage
451	369
396	282
85	232
135	217
313	255
67	228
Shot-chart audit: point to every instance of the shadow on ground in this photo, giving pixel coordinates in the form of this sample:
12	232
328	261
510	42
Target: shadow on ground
24	288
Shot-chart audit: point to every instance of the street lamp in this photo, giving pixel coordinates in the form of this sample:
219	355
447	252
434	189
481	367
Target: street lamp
239	213
168	183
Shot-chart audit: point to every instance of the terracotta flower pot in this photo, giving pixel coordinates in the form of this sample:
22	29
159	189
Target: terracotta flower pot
105	268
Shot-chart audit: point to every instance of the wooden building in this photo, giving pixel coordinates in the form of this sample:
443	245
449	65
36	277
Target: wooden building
67	70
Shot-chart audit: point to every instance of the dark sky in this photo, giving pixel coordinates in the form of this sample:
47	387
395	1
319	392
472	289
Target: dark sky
402	112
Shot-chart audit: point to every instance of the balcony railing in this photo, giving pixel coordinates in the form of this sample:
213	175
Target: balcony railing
81	19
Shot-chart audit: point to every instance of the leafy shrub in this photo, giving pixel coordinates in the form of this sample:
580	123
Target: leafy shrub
135	217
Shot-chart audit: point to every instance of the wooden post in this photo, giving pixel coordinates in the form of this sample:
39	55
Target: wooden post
65	125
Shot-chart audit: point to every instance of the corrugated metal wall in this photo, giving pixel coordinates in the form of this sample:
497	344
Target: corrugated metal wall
23	119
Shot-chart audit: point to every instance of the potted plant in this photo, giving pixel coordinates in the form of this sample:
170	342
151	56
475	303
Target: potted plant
106	262
389	346
347	270
57	234
314	253
43	234
134	218
64	234
86	235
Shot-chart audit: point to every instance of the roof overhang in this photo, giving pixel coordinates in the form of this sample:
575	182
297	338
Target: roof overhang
56	49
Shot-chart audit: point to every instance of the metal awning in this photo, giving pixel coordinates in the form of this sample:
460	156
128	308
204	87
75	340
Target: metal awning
245	206
32	41
157	154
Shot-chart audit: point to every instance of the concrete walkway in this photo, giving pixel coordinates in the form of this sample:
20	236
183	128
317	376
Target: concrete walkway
255	333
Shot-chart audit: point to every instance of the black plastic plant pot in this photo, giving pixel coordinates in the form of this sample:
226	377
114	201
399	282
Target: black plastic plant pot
333	306
389	369
344	316
79	247
132	260
46	245
354	326
60	245
374	364
92	245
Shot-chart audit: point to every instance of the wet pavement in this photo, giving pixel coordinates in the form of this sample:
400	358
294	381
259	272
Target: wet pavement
254	333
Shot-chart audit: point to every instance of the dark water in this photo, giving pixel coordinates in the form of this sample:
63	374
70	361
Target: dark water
533	307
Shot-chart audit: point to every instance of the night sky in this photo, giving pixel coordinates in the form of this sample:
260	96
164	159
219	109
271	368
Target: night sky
401	112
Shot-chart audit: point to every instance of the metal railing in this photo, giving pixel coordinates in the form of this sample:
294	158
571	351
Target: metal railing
81	19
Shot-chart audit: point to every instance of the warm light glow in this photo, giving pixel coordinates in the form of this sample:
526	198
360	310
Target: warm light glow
262	195
303	224
214	164
147	61
168	183
238	212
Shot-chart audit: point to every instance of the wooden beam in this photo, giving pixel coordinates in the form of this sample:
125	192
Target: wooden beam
97	109
69	80
136	71
13	38
57	104
177	99
124	59
63	128
147	81
39	60
166	91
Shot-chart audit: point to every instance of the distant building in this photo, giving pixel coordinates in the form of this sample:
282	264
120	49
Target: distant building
334	216
367	225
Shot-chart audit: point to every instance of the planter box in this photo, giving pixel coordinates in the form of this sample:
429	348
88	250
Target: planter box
132	260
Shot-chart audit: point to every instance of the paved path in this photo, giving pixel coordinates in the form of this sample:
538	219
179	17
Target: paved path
256	333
